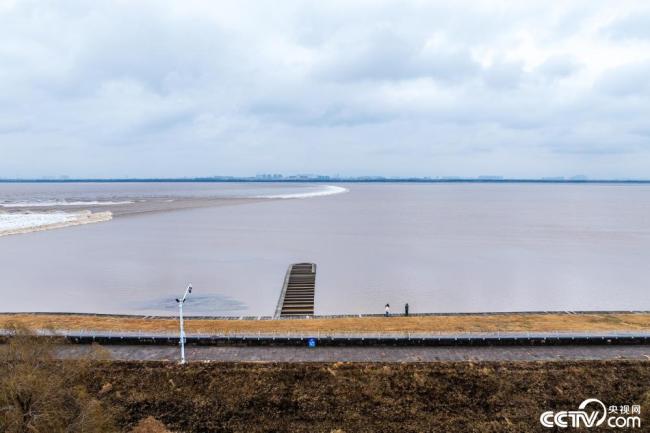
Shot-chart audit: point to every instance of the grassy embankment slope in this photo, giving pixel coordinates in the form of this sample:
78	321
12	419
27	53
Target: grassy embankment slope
470	397
452	323
356	397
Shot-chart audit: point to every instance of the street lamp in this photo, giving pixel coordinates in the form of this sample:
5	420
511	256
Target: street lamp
180	310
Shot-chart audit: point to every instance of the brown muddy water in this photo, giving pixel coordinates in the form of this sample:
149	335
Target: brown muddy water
448	247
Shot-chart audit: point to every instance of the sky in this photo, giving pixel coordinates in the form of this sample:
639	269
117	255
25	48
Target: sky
396	88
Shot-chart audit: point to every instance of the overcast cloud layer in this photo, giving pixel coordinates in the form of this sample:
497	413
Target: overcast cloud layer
191	88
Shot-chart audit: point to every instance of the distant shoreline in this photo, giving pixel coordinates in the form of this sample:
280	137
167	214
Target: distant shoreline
328	180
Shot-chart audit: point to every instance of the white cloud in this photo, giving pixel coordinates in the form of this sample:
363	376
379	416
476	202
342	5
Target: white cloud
161	88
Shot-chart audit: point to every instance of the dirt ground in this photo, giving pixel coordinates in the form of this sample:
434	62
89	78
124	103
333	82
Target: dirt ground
358	397
300	397
453	323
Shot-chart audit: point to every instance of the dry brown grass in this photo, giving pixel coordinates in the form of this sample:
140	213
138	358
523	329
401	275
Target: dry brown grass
468	397
474	397
38	394
149	425
454	323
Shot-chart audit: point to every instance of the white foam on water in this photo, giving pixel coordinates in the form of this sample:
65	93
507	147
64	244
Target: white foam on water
327	190
55	203
25	222
19	221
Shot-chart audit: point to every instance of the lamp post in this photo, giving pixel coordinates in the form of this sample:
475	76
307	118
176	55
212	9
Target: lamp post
180	311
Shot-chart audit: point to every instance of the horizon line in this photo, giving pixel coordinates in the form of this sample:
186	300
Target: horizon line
319	179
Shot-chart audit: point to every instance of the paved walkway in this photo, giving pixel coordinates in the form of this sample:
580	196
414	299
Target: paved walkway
366	354
354	339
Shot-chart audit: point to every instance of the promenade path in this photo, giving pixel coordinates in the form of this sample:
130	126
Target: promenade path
363	354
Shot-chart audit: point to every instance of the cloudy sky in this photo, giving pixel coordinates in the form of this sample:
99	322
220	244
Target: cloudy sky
160	88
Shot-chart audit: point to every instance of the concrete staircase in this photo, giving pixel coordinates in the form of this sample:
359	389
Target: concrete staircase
297	297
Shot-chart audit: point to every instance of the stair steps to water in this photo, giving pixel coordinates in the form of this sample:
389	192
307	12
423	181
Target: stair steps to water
297	296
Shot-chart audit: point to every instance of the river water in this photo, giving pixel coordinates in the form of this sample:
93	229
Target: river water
441	247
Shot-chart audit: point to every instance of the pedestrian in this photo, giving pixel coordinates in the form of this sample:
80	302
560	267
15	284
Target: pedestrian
406	309
387	310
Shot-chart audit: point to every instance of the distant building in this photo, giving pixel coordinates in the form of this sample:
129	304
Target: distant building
268	176
308	177
490	178
370	178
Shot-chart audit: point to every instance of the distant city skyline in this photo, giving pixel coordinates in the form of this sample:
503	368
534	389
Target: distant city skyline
394	88
312	177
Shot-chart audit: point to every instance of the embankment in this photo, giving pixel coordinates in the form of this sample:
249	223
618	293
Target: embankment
364	397
498	322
